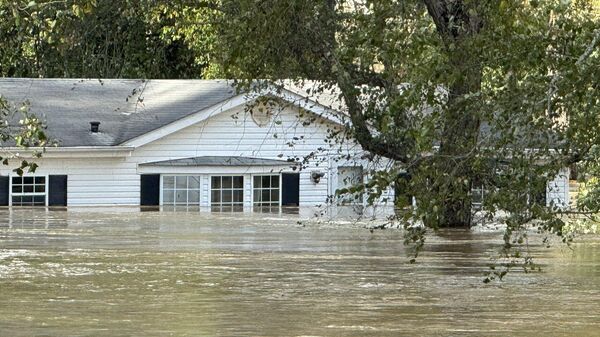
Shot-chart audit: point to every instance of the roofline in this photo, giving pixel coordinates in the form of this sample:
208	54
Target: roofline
262	162
71	151
228	104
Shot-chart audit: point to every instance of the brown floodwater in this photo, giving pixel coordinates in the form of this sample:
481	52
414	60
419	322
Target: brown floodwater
114	272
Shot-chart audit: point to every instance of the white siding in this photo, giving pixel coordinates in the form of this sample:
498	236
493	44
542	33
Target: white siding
557	191
97	181
234	133
116	181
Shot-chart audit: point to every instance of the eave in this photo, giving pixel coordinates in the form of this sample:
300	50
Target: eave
70	152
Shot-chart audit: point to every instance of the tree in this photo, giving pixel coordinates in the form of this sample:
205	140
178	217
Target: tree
457	92
85	38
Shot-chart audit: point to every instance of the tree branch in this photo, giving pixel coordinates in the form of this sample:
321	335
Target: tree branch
360	126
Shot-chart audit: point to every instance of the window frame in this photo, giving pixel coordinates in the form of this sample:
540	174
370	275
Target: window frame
161	200
232	204
254	204
11	194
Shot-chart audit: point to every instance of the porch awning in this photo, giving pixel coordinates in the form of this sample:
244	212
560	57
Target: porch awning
220	161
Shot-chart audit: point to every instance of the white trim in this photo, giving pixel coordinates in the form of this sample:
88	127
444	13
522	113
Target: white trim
308	104
71	151
262	175
229	104
185	122
160	194
46	191
216	170
175	189
221	189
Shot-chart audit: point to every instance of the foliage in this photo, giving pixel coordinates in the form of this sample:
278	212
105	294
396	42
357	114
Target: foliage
85	38
20	129
500	94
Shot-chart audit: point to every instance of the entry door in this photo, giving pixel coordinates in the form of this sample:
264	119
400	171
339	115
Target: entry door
290	189
349	176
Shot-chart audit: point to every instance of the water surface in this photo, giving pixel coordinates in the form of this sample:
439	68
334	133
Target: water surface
112	272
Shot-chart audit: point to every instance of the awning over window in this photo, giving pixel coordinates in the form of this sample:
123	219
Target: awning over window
220	161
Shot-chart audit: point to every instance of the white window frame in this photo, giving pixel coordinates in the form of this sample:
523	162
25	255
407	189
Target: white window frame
174	204
221	205
10	189
252	188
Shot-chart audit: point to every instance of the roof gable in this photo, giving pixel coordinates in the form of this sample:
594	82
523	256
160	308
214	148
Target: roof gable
132	112
231	103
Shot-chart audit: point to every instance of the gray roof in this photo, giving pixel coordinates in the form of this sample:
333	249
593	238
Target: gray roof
221	161
125	108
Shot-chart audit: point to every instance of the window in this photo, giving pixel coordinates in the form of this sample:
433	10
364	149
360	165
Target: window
181	190
227	192
266	190
28	191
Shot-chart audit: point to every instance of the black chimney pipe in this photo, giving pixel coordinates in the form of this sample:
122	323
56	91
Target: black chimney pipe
94	126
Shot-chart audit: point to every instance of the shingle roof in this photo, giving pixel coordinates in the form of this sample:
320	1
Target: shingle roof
125	108
220	161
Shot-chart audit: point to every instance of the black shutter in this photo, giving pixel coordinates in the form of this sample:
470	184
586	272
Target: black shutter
150	189
290	189
57	190
4	185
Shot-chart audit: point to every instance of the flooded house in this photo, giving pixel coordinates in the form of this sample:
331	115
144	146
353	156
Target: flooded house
179	143
194	143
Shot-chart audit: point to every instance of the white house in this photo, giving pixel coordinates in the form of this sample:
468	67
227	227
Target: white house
184	143
177	142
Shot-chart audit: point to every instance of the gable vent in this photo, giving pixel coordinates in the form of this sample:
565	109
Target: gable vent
94	126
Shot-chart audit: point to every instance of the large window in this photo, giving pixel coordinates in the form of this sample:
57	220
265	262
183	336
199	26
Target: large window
181	190
227	192
266	190
28	191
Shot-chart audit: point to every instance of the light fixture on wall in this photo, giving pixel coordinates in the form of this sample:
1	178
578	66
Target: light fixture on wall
316	176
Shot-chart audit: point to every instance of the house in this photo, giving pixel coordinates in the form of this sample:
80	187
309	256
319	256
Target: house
177	143
188	143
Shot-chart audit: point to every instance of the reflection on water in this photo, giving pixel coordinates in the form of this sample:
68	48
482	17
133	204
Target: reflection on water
117	272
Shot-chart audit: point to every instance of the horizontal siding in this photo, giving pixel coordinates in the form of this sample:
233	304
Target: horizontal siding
223	135
100	181
557	191
116	181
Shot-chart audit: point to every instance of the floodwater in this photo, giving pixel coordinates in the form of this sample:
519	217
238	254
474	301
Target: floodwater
113	272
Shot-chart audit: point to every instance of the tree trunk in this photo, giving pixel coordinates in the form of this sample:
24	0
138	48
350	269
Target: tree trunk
459	139
458	22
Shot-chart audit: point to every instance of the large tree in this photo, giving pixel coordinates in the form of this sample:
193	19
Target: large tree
443	87
458	93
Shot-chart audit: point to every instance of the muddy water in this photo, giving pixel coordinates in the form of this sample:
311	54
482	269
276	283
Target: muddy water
128	273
